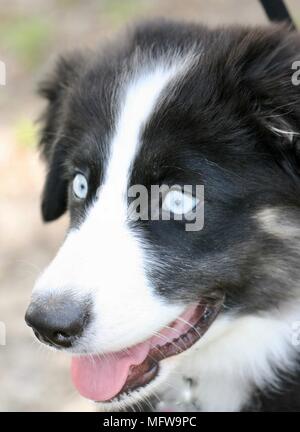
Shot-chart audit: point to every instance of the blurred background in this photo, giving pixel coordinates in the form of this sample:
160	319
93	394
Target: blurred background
32	32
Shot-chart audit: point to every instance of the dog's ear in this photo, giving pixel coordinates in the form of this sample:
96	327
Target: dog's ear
55	90
54	199
265	62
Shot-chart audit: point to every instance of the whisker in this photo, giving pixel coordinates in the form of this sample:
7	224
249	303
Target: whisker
148	402
168	340
190	325
156	396
178	333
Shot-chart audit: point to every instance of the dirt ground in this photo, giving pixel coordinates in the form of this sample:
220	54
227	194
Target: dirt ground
31	33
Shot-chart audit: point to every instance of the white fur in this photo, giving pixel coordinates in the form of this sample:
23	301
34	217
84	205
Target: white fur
273	221
235	355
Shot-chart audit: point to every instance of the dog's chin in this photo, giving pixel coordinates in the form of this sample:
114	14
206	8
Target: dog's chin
121	379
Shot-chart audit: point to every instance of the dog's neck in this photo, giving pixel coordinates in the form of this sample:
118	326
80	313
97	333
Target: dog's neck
235	357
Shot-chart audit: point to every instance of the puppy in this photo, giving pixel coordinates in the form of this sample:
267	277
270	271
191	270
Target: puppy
196	314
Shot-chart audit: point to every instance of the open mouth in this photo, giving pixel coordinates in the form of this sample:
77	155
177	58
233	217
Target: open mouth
103	378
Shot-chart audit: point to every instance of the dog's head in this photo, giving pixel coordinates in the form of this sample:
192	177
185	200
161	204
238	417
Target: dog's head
177	107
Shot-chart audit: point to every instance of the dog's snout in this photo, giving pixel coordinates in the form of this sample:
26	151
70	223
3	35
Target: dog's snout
57	320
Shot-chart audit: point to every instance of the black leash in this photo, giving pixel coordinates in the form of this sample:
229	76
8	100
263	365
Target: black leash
278	12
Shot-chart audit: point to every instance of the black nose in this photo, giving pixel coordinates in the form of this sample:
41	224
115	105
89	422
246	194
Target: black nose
57	320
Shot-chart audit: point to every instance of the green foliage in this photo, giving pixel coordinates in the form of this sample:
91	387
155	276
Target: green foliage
119	11
26	38
26	133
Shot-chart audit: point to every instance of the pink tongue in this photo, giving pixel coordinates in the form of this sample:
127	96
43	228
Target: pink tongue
100	378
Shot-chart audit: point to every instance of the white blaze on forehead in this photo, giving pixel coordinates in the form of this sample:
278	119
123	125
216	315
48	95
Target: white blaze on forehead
141	97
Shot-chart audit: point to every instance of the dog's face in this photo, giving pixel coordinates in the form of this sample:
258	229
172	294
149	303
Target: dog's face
177	105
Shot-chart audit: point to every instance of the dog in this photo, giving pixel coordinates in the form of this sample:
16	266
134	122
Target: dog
154	313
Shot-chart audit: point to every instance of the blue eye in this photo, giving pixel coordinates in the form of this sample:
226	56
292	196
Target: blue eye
179	202
80	186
